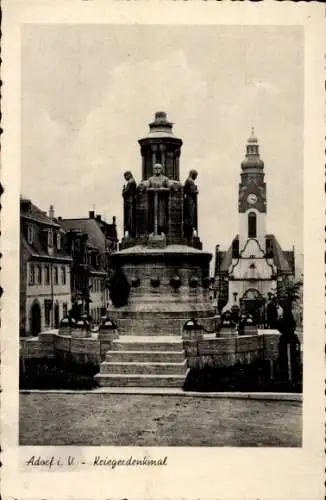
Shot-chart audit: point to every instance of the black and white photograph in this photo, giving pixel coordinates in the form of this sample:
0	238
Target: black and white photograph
161	225
162	241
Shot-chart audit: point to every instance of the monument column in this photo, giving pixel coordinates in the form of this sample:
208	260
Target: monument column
154	149
162	148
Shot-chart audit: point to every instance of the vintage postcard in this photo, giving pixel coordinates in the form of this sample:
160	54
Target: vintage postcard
162	250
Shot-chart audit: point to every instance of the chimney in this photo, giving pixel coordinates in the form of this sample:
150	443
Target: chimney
114	219
51	212
91	214
99	218
59	218
25	204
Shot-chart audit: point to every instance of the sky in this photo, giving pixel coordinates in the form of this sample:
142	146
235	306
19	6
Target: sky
89	91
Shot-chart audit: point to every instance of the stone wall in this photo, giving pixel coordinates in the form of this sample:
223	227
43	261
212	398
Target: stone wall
214	352
138	325
51	344
228	351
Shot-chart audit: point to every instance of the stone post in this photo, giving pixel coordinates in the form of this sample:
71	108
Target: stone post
107	333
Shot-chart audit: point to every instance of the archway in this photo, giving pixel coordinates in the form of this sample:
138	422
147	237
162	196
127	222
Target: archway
35	319
252	302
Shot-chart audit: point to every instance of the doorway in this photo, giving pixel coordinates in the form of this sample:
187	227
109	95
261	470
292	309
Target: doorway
35	319
253	303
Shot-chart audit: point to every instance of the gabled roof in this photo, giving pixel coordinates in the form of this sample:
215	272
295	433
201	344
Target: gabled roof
280	257
40	222
31	212
227	259
283	260
37	251
91	227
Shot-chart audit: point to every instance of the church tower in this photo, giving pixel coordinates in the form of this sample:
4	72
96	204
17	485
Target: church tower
252	200
254	263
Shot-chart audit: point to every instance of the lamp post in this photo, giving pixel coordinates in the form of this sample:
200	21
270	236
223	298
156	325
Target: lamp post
52	295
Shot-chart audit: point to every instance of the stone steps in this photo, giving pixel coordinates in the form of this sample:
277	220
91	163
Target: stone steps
154	345
144	361
144	368
138	380
145	356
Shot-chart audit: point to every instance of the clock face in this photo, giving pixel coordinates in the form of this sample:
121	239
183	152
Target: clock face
252	198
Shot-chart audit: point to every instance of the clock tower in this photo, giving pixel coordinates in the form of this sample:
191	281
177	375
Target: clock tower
252	197
251	268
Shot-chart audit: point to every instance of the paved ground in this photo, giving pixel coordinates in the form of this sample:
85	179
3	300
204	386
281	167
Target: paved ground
142	420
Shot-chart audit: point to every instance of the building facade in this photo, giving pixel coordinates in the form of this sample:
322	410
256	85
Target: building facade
253	266
45	290
91	242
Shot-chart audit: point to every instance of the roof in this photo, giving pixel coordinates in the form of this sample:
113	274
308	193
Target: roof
93	228
283	260
30	211
227	260
31	214
37	250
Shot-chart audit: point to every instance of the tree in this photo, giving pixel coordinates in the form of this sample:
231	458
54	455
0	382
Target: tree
288	291
289	347
119	289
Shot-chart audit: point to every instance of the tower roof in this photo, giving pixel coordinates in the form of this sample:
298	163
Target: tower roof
160	127
252	160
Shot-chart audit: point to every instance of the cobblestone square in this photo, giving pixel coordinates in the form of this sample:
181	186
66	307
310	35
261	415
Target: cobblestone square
148	420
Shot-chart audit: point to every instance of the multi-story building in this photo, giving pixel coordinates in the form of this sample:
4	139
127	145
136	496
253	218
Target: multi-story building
45	290
255	264
91	242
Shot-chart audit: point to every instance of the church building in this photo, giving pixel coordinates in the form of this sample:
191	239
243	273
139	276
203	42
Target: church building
255	264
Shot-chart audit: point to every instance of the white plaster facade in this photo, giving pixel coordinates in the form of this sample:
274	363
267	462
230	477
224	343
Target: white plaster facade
42	290
243	231
97	296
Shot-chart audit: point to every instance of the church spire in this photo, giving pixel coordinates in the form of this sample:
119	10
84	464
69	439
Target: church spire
252	188
252	161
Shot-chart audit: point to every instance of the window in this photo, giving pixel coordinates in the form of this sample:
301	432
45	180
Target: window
50	238
47	275
55	275
39	275
30	234
63	275
64	309
32	274
252	225
58	241
47	312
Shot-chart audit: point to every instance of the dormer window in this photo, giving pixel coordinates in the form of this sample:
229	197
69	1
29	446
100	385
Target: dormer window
30	234
58	241
50	238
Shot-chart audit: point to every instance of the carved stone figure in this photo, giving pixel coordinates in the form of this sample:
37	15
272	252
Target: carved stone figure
158	180
158	191
190	191
129	197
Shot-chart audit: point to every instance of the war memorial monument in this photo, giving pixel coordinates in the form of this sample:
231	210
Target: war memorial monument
161	273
